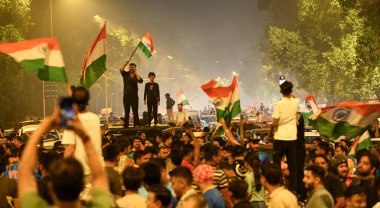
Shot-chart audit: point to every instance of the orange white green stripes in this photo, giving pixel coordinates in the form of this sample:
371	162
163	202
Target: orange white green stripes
350	119
147	46
225	99
42	55
182	98
94	64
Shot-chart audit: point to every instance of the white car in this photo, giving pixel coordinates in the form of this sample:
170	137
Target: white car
48	139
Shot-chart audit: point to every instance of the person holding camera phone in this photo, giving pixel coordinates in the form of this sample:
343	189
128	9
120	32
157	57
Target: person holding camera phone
131	98
74	145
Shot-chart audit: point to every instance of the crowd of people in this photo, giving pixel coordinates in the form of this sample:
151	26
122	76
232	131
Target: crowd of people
99	169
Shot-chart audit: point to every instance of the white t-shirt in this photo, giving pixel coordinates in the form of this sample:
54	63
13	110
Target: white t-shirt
286	111
131	201
181	117
91	124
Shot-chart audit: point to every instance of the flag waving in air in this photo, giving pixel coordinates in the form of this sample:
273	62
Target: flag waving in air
350	119
182	98
146	45
42	55
361	142
225	99
94	64
311	107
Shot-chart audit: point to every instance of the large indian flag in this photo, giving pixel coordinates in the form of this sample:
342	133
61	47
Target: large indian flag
147	46
41	55
350	119
94	64
225	99
182	98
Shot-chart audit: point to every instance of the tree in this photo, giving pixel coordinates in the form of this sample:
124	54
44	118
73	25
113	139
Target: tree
14	23
323	51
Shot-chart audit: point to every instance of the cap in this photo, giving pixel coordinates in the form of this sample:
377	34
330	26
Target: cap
337	160
204	174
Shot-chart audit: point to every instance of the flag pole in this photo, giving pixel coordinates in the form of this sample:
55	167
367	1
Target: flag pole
105	86
132	55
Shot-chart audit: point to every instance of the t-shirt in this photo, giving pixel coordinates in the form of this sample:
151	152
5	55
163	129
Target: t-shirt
8	188
114	180
255	196
334	186
187	164
152	92
130	84
91	124
181	117
239	168
131	201
286	111
282	198
213	198
100	198
169	103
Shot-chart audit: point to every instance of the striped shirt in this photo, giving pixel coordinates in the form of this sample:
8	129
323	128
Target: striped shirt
220	180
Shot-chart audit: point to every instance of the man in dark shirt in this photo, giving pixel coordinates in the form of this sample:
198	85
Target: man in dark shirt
131	98
152	97
169	106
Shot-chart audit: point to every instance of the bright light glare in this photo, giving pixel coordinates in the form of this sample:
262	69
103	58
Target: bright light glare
170	57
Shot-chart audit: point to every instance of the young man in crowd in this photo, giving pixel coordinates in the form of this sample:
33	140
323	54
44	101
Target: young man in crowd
182	179
181	116
339	167
240	196
132	179
271	178
74	144
140	157
331	181
284	129
366	169
169	107
163	152
355	197
204	177
319	196
66	176
45	160
158	197
152	98
111	155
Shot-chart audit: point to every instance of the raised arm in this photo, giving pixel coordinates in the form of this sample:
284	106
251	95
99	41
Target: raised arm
26	176
228	133
123	67
197	147
241	130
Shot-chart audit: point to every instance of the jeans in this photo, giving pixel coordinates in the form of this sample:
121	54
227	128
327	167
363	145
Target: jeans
131	102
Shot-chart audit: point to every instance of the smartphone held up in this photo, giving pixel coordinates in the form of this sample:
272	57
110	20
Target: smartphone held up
66	112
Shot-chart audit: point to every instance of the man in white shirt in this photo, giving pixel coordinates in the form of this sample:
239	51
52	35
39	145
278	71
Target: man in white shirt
74	144
279	197
181	116
284	128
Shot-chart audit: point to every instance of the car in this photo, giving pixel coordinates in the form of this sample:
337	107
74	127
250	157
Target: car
48	139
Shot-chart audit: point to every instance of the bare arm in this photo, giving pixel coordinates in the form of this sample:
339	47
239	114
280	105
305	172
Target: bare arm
273	127
228	133
241	130
28	160
69	151
123	67
197	147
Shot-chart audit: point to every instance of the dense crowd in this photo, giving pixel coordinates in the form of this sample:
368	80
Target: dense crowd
94	168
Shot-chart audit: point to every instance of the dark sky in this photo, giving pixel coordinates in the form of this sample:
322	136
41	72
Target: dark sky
206	38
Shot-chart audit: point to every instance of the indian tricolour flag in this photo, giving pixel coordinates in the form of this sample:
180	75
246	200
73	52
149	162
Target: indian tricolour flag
361	142
182	98
310	108
147	46
42	55
350	119
94	64
225	99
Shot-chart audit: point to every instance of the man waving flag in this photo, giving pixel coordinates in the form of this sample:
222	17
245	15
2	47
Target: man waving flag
94	64
225	99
